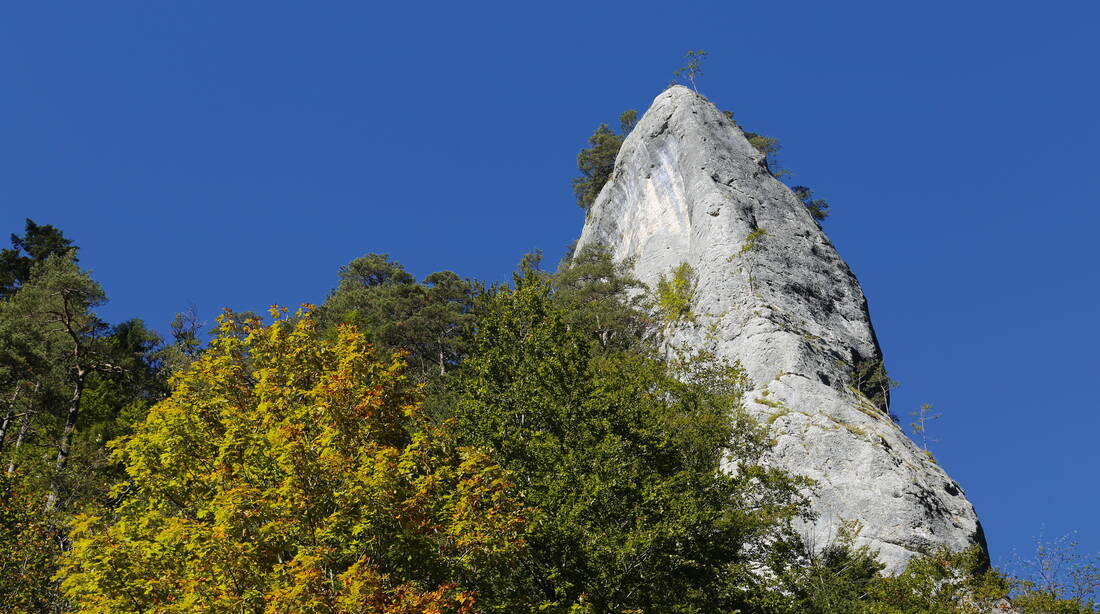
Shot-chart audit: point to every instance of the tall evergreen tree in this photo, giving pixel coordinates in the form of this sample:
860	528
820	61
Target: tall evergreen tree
601	297
597	162
38	243
397	312
56	302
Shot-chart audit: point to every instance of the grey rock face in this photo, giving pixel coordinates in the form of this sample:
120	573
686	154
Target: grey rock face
688	187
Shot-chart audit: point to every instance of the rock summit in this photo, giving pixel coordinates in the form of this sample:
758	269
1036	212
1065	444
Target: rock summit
772	292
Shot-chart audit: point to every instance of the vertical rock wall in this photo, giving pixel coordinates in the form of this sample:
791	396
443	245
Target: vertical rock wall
688	187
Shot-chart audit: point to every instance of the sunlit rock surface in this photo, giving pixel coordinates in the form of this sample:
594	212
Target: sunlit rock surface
688	187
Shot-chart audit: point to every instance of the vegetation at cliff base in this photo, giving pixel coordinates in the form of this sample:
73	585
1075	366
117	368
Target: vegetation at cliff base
622	455
440	445
293	474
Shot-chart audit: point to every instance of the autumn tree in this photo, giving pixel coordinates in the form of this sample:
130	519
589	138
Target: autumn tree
287	473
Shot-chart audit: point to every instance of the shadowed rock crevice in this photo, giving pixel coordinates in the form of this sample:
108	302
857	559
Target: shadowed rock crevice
688	187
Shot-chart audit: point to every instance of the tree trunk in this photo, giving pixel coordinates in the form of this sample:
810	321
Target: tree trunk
66	443
19	441
24	424
8	416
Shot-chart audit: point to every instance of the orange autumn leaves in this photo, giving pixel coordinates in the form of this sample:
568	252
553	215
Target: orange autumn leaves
287	473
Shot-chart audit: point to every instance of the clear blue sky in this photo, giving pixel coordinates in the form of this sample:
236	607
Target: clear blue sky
236	154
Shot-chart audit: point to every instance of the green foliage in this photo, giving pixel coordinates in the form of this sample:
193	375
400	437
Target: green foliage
293	474
621	456
692	68
601	297
51	316
69	383
764	144
186	346
770	147
597	162
834	580
396	312
752	241
818	207
627	120
941	583
36	245
923	416
675	294
30	542
871	379
845	579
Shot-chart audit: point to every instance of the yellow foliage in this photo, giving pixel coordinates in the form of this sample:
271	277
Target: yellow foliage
290	474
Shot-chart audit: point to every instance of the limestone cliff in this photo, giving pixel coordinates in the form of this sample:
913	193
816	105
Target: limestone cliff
688	187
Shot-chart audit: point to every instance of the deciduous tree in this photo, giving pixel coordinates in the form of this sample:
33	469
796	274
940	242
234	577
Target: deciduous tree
294	474
623	458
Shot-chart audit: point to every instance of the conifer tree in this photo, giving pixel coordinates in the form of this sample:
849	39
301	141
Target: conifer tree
597	162
38	243
397	312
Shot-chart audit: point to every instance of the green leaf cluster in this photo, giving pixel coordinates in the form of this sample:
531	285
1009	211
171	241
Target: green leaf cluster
31	541
622	457
871	379
675	294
